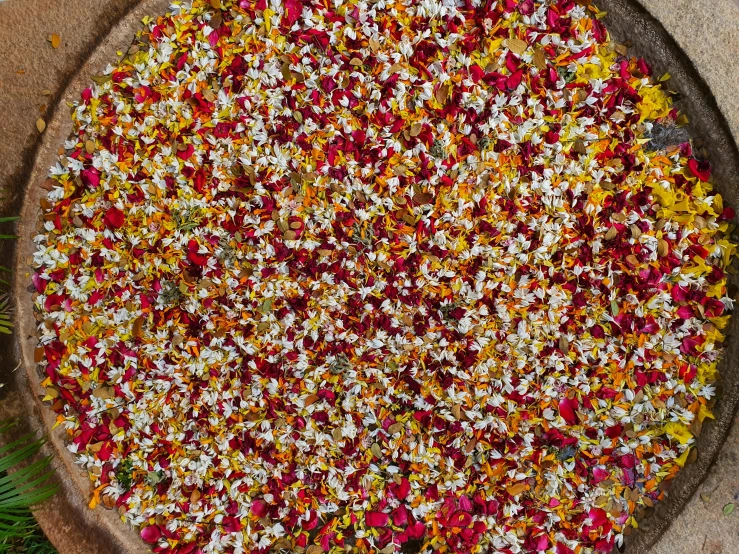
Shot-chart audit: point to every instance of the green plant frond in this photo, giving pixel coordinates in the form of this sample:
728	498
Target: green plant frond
21	489
26	440
9	218
10	481
30	541
6	425
36	543
25	487
18	462
29	485
15	517
30	499
5	323
21	526
12	536
18	455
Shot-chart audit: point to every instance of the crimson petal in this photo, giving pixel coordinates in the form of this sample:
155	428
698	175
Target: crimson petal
377	519
151	534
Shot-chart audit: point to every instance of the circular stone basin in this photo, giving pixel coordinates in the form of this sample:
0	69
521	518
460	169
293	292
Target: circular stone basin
76	528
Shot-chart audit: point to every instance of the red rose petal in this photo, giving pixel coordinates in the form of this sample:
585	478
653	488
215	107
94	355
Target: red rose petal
460	519
114	218
404	488
600	474
293	10
417	530
90	177
700	169
400	516
259	507
567	409
151	534
514	79
377	519
187	152
563	549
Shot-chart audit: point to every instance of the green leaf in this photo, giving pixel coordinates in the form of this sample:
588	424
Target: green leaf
8	482
729	509
6	425
25	439
22	488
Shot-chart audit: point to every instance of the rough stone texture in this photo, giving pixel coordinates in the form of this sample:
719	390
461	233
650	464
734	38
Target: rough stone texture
708	32
29	67
706	29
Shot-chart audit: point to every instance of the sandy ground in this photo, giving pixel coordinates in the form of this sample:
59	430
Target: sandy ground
32	74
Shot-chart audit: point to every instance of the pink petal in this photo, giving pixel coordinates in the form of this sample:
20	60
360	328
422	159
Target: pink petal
293	10
600	474
151	534
90	177
465	504
460	519
568	408
259	507
404	489
39	283
377	519
598	517
417	530
400	516
679	293
213	39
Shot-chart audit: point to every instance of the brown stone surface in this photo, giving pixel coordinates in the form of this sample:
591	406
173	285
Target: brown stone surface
83	24
30	66
708	33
